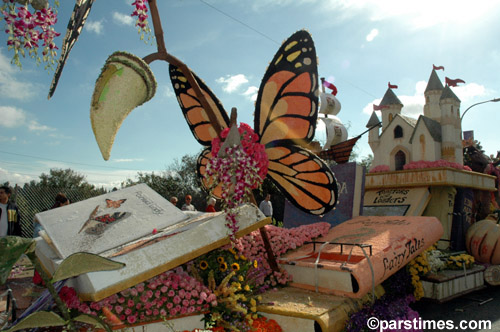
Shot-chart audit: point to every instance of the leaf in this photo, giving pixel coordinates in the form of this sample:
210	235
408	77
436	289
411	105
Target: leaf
11	249
38	319
95	321
83	262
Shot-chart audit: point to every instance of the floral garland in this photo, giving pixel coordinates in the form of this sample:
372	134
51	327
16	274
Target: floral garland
417	268
462	261
141	11
242	169
26	30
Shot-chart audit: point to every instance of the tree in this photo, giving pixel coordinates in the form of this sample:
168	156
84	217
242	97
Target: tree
64	178
180	179
367	161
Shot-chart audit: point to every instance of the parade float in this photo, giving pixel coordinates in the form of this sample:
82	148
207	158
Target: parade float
232	271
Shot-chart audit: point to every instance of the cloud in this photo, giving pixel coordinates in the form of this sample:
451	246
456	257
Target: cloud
414	105
251	93
123	19
35	126
232	83
168	92
371	36
13	117
15	178
127	160
94	26
418	14
10	86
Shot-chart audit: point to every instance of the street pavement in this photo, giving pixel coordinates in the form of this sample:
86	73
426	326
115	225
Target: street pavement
474	307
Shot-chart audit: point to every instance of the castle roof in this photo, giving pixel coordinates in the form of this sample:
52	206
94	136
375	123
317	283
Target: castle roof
374	121
448	93
390	98
434	82
432	126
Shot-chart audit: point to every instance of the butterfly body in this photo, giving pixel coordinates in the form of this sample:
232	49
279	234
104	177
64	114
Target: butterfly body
285	120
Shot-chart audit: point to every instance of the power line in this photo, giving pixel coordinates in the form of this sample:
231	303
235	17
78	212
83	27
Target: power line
67	162
240	22
271	39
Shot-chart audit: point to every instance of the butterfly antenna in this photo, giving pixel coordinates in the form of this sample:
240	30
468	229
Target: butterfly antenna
234	116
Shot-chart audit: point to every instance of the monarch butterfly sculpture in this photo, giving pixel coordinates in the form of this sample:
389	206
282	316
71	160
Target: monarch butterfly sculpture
285	118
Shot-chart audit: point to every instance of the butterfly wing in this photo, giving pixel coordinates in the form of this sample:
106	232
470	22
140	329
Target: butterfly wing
207	183
285	118
75	25
287	103
305	180
193	111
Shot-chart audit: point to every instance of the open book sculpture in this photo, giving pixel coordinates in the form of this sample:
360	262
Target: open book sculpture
135	226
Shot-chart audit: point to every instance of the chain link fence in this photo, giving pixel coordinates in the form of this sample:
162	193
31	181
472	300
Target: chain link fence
32	200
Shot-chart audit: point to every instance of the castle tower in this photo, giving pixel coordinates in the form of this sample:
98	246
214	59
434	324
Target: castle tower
432	95
374	134
391	106
451	129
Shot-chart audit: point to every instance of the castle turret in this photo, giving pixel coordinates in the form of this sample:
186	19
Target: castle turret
391	106
451	129
432	95
373	125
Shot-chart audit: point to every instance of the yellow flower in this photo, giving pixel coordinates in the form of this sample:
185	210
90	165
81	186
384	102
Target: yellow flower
253	303
220	259
255	264
240	278
235	266
243	258
247	288
223	266
232	251
203	265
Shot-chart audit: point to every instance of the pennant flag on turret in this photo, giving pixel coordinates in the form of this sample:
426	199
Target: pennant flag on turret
438	67
379	107
392	86
331	87
454	82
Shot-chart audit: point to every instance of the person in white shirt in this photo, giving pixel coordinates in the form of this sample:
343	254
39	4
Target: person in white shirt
266	206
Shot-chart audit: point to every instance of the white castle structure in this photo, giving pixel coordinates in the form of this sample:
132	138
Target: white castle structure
435	135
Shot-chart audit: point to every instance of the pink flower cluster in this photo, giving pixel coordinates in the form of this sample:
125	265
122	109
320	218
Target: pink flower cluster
169	294
141	11
25	30
251	146
282	240
434	164
380	168
243	169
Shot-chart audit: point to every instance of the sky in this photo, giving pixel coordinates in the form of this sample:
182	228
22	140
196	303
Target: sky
361	46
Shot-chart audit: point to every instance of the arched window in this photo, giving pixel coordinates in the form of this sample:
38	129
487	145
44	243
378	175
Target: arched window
398	132
400	160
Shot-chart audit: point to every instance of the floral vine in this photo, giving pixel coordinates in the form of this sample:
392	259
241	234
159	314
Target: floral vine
26	30
238	169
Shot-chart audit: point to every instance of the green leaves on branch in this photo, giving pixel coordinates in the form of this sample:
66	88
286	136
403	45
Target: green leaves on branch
82	262
38	319
11	249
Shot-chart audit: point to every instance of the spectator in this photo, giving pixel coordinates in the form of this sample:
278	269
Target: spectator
211	205
266	206
60	200
10	219
174	200
187	206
